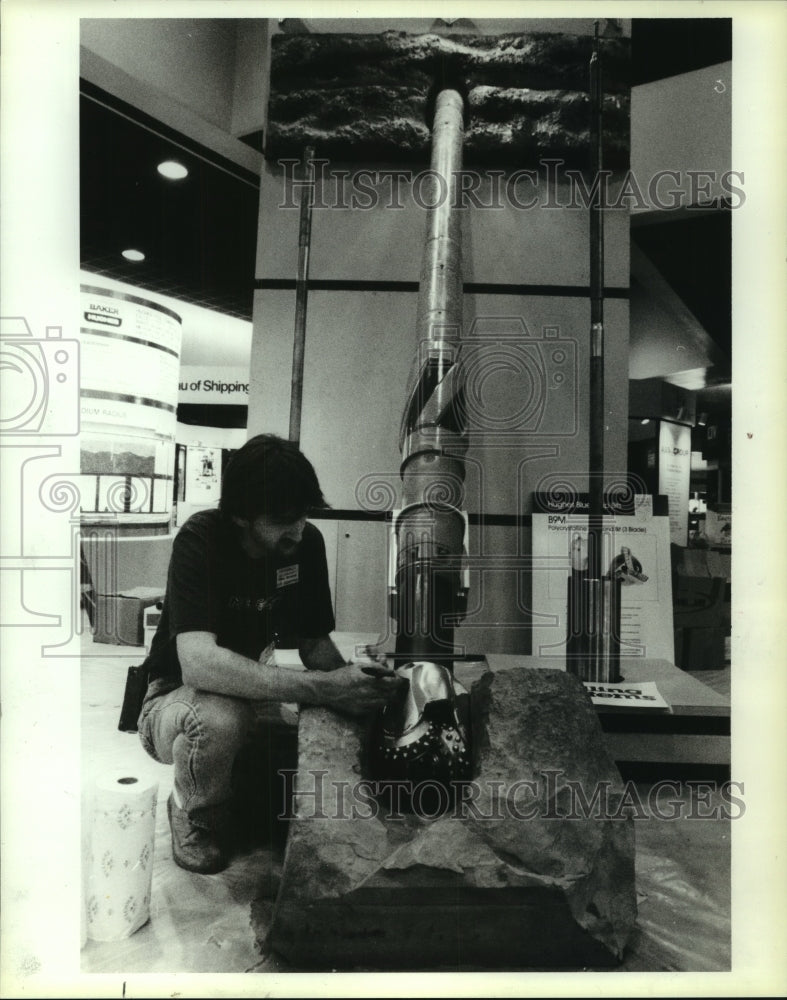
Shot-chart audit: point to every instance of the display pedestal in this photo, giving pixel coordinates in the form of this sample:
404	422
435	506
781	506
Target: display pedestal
695	731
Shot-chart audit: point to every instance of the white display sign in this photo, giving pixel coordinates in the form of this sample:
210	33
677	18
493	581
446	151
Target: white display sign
130	353
636	551
644	696
675	476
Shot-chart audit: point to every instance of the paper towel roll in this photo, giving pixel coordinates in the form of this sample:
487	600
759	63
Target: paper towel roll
120	858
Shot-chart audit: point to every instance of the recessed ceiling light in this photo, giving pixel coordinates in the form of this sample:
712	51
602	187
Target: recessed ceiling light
172	170
645	421
133	255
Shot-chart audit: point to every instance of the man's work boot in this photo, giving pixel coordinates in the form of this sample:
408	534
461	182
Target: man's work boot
197	838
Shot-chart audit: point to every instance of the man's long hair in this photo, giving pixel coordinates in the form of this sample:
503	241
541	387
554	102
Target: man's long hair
272	477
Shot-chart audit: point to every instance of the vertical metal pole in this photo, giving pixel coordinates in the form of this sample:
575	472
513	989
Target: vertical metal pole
597	403
301	296
599	645
604	607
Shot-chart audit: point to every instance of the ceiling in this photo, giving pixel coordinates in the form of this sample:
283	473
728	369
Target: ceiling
199	234
693	255
662	47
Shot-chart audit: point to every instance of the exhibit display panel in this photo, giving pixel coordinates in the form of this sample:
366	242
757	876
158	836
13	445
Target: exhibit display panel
636	554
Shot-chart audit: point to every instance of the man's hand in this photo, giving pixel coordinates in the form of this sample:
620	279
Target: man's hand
376	652
354	690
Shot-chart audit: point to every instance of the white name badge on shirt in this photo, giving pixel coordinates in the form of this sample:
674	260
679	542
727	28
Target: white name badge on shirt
287	576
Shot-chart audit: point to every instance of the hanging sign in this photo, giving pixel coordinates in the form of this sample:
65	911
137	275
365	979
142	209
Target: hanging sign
675	475
206	385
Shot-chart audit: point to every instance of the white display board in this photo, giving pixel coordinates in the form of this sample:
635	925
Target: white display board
638	549
626	696
675	476
718	527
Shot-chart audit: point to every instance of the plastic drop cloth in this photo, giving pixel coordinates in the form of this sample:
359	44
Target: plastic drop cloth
683	890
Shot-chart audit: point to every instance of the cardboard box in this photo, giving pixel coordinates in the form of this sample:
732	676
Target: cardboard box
119	617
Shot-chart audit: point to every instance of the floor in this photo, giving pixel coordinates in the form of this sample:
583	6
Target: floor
201	923
198	923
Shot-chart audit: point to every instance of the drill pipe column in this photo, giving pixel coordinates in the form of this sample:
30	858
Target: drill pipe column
430	529
440	298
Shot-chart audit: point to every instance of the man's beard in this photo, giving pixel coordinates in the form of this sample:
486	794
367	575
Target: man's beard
286	547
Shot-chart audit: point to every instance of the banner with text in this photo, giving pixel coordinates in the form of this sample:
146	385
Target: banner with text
222	386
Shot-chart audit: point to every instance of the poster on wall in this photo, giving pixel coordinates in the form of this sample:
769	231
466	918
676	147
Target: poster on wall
636	552
718	527
203	475
675	476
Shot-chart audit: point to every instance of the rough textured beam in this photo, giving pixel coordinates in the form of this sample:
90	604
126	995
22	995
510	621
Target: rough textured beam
366	96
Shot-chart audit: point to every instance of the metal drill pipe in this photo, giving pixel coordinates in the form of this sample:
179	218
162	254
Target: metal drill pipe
432	453
440	299
301	297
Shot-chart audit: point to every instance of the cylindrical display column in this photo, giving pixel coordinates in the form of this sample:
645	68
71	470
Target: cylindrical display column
130	356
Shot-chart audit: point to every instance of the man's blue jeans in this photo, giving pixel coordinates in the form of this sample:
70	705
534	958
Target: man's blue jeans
201	734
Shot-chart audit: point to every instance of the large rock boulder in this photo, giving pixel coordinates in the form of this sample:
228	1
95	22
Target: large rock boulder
531	865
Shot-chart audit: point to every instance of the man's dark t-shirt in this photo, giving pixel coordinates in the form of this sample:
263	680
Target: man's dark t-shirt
214	586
